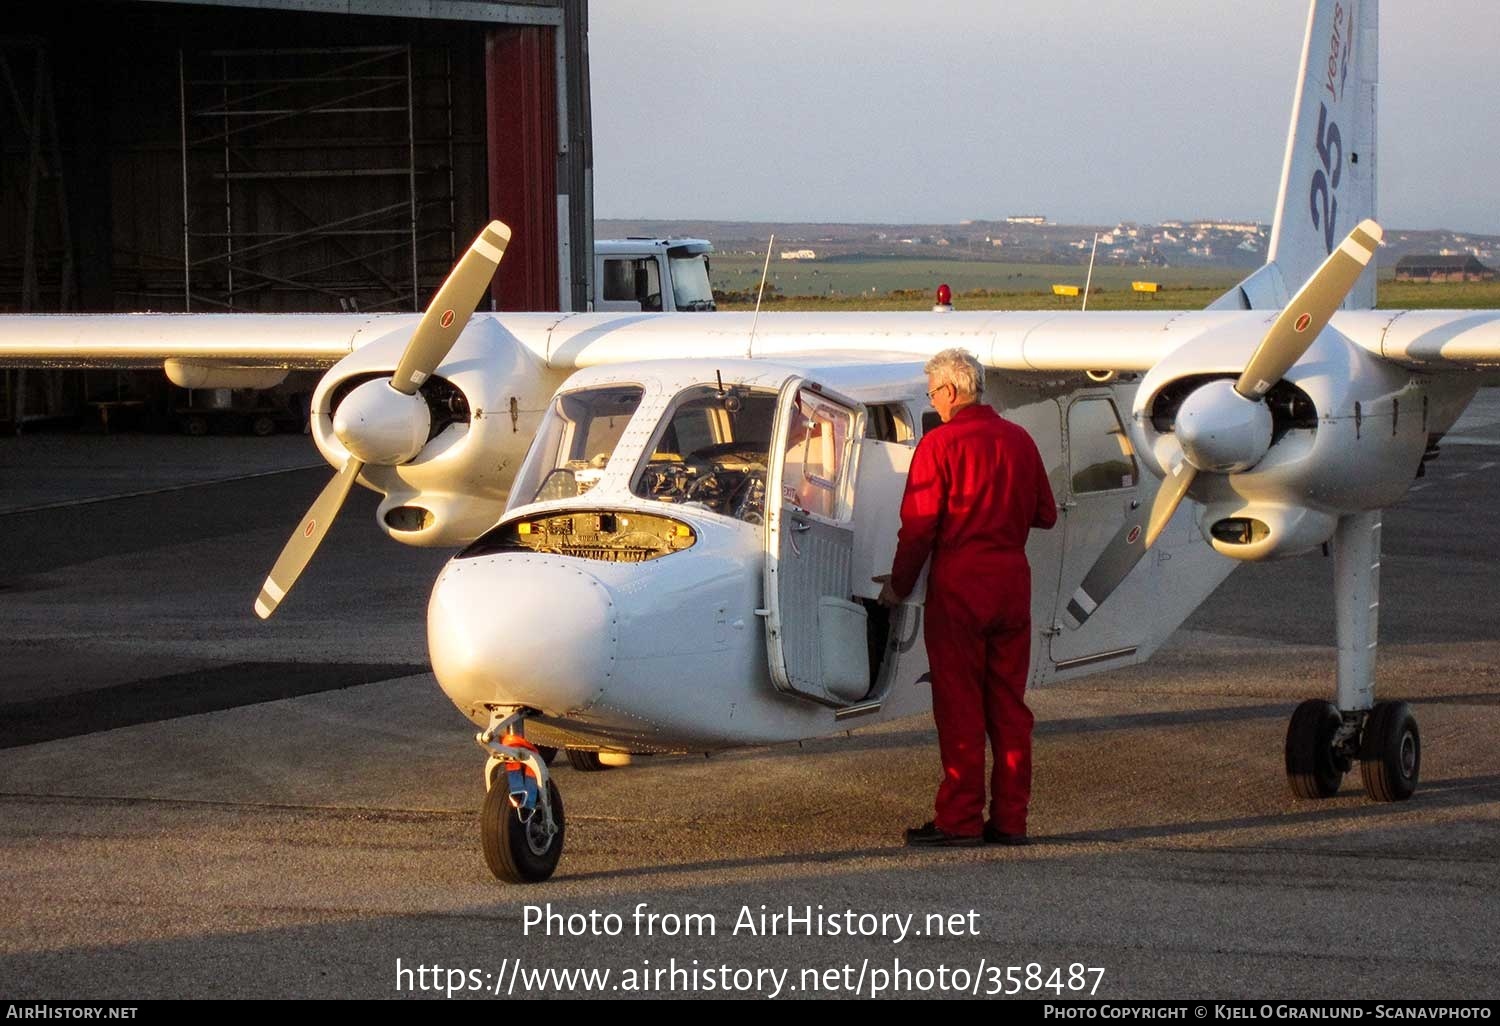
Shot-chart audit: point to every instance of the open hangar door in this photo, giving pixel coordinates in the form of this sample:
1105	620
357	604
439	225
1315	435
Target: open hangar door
285	155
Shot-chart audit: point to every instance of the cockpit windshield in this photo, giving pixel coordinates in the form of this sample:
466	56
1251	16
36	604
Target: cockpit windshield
711	452
575	442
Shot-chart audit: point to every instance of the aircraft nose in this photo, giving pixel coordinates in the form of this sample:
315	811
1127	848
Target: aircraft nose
521	630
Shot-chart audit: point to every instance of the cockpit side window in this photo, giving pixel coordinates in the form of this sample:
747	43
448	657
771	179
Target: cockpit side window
711	452
574	444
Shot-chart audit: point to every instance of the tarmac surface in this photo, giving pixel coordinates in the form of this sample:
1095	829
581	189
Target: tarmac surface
197	804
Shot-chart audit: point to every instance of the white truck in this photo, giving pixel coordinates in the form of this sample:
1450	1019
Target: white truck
629	274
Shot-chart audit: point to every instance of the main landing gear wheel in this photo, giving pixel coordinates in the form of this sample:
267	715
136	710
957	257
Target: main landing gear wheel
549	754
585	761
520	852
1390	753
1313	768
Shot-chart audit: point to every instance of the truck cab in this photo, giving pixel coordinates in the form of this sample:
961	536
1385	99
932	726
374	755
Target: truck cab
652	275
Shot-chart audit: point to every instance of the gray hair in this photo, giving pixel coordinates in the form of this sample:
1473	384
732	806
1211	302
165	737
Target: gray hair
959	368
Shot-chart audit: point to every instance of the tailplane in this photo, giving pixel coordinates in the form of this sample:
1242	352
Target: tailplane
1328	176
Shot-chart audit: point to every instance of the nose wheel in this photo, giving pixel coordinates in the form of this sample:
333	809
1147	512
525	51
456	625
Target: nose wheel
521	824
521	850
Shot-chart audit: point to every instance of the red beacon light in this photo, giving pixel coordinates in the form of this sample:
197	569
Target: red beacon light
944	299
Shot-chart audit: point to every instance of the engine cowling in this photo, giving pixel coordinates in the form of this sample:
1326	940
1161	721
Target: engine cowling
1342	432
450	452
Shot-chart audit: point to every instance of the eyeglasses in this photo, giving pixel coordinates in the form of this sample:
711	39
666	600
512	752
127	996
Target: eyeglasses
938	389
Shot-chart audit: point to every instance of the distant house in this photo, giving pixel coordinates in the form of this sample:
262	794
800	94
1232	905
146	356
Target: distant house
1244	227
798	254
1414	267
1026	219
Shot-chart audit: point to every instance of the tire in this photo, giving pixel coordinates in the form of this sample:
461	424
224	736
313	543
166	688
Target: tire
548	753
1390	753
1313	769
195	425
585	761
511	847
262	426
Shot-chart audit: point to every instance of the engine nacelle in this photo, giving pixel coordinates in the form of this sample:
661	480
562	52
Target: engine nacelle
1347	433
490	392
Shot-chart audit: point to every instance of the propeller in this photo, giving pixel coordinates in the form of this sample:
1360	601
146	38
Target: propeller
1225	428
386	421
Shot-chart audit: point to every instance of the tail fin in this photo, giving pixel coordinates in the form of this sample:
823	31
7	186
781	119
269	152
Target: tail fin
1328	177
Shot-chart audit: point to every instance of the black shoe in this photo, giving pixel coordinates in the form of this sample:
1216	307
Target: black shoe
993	836
928	835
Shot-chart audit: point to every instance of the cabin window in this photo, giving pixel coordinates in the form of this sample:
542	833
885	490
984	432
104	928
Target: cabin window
574	444
711	451
1099	450
889	422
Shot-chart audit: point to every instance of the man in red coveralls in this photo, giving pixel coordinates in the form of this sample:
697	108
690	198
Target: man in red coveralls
976	488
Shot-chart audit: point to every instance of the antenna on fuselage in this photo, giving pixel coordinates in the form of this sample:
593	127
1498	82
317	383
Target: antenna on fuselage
763	272
1090	279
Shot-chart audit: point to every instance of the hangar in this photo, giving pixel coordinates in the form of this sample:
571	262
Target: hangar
287	155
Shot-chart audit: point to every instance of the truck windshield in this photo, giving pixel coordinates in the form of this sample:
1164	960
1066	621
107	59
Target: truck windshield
574	444
690	287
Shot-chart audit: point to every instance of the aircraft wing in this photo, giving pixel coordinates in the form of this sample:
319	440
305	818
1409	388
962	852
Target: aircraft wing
1019	342
1045	341
1428	340
299	341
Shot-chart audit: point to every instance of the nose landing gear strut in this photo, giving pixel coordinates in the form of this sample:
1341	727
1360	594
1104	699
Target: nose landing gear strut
521	824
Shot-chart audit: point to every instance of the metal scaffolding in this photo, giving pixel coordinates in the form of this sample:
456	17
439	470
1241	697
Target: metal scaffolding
316	178
46	279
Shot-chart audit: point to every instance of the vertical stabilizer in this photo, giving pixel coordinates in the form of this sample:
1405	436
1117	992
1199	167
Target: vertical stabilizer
1328	176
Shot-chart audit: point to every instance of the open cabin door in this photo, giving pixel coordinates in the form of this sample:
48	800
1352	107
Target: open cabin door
816	634
1101	492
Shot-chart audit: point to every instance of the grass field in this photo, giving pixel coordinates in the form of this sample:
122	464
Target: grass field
880	284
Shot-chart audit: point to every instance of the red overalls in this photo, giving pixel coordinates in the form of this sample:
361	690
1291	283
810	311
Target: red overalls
976	488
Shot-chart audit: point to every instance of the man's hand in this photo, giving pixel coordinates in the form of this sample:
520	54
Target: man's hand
888	596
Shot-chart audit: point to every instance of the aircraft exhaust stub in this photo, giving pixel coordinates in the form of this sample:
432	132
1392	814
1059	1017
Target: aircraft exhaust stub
612	537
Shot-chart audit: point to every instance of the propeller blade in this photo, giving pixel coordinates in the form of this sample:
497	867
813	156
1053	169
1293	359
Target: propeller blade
1309	311
1114	564
451	309
304	542
1126	548
1168	498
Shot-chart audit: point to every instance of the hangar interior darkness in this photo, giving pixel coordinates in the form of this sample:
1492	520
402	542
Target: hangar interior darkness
278	156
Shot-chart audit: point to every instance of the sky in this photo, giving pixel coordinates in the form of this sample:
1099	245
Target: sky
1085	111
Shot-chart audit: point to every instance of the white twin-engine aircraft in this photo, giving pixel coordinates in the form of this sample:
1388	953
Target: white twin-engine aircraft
669	524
